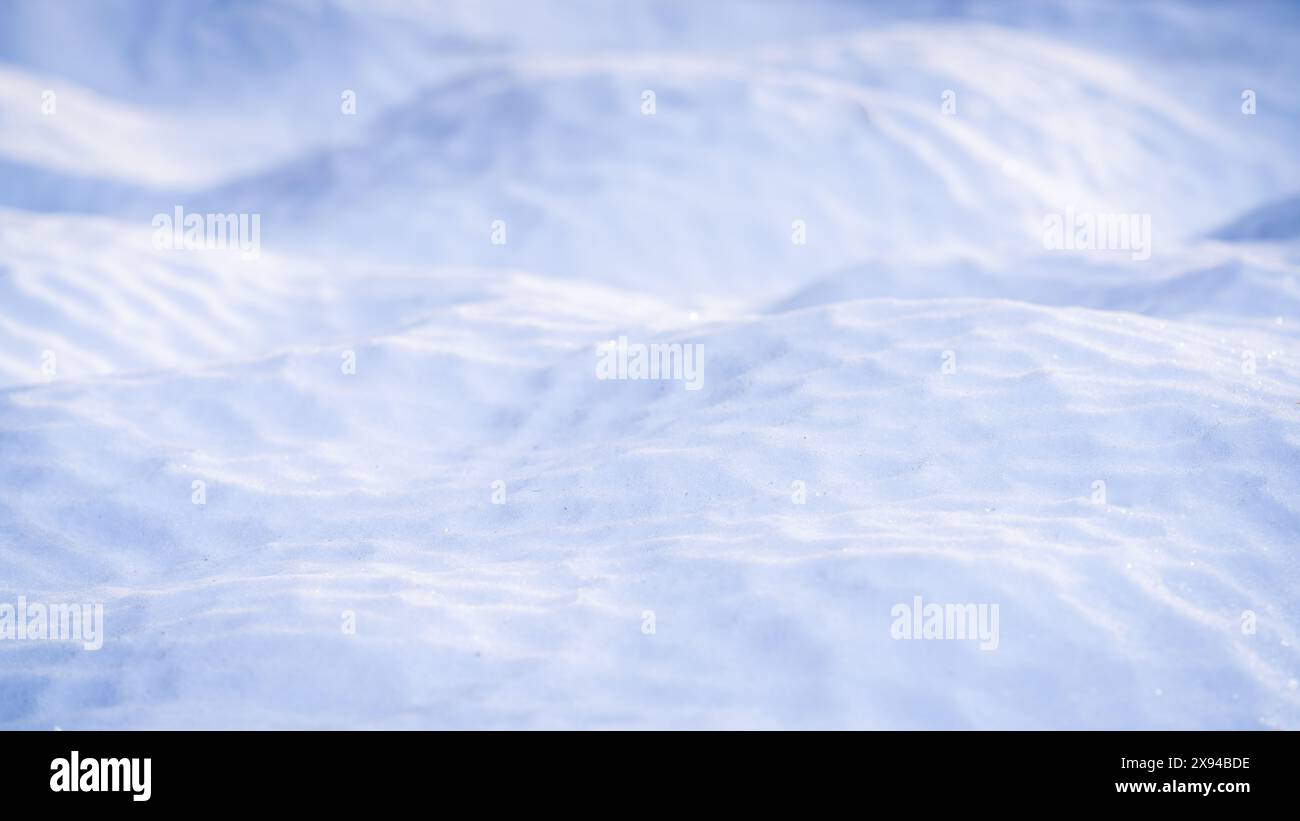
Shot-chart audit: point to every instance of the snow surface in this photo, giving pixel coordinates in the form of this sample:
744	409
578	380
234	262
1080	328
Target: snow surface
372	493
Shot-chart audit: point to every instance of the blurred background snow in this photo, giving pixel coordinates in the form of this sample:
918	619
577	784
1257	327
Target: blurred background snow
369	495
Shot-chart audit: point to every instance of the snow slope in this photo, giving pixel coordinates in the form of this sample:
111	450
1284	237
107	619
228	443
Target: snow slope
334	497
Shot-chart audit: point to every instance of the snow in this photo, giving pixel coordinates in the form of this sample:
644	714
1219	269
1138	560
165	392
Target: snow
399	426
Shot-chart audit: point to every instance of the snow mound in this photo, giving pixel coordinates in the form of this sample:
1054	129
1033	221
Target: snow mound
373	477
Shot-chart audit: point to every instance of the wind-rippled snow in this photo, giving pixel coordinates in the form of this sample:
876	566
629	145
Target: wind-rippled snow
371	493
